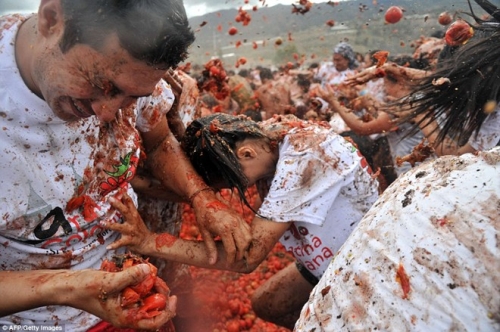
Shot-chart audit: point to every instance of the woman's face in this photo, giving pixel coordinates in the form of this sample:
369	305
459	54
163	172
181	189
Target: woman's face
257	160
340	62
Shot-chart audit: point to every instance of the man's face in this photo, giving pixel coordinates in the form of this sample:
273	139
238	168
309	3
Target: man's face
84	82
340	62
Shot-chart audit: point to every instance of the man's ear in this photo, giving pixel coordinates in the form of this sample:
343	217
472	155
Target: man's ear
246	152
50	17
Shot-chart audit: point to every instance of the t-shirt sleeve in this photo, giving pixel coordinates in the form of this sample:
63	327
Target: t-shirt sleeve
489	134
306	183
152	108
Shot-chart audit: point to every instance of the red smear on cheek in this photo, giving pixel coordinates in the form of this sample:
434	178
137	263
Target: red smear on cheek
217	205
165	239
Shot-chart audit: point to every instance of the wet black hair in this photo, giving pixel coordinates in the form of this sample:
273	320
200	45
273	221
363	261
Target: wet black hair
156	32
210	144
472	75
243	73
266	73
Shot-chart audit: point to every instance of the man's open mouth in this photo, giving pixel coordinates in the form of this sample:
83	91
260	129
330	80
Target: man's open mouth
82	108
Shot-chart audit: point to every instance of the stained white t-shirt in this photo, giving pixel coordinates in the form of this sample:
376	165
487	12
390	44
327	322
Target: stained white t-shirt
323	185
426	257
328	74
46	162
488	135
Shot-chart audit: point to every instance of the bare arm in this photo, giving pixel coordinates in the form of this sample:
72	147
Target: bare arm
96	292
380	124
430	129
370	73
168	163
137	237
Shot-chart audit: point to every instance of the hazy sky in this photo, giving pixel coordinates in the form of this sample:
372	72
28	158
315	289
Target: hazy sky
193	7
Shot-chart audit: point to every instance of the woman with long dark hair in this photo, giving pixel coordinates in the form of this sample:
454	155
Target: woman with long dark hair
315	186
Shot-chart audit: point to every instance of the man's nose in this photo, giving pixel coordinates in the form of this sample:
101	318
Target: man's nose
106	109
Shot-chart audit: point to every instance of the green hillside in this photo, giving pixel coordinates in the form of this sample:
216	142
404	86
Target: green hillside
361	23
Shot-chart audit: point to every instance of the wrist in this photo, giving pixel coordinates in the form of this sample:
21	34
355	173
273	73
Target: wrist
58	287
200	193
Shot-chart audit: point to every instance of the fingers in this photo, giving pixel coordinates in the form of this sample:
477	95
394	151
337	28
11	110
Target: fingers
118	205
243	240
121	205
210	245
130	276
117	244
174	81
158	321
127	208
230	247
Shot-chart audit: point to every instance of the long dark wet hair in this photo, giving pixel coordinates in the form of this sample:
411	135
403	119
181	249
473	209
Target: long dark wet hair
472	74
210	144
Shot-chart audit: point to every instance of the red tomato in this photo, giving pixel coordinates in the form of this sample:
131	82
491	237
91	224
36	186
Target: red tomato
233	326
154	302
381	57
214	71
393	14
458	33
232	31
234	306
444	18
129	296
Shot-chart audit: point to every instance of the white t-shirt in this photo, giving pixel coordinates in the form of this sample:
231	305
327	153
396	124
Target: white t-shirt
322	185
426	257
489	134
46	162
402	144
328	74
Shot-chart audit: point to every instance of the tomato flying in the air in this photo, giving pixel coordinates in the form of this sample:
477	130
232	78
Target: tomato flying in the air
458	33
232	31
444	18
393	14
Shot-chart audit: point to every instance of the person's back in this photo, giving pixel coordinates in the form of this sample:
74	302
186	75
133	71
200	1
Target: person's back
424	258
273	96
241	92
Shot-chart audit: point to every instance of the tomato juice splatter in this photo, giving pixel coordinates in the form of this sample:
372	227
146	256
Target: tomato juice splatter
165	239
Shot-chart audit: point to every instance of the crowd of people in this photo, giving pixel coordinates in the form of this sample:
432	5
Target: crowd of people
378	172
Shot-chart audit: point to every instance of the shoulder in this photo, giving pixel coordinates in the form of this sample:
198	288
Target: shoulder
429	239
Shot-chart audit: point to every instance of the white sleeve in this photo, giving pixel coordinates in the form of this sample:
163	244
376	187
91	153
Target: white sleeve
489	134
306	183
152	108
